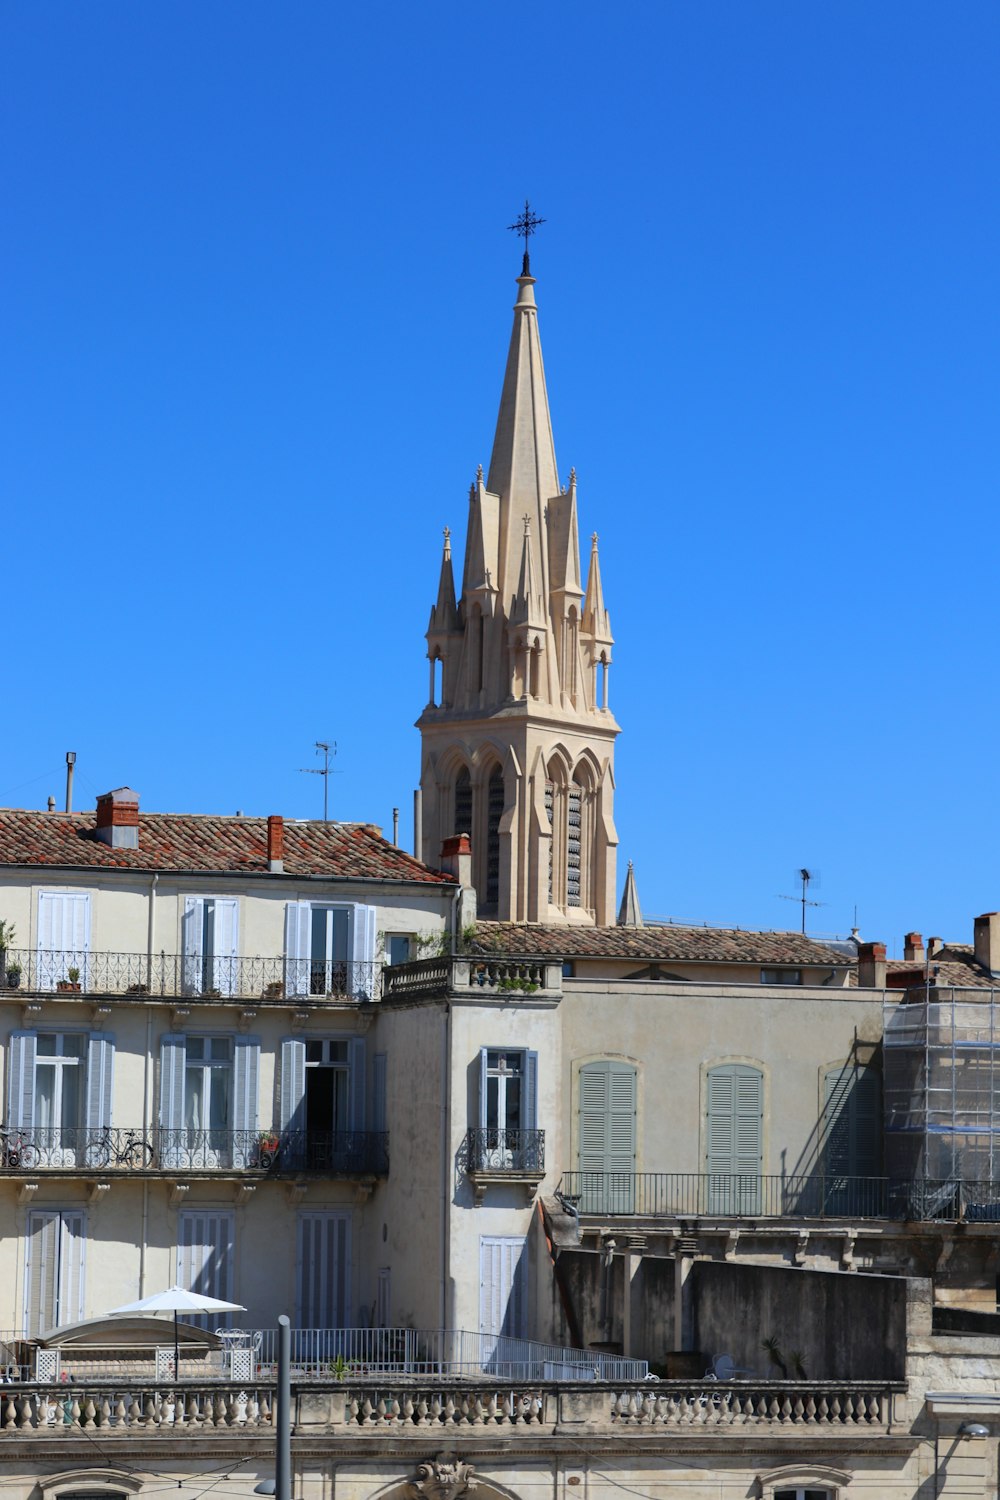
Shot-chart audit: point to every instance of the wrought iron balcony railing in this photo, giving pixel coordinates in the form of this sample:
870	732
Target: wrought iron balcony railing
121	1149
66	972
495	1150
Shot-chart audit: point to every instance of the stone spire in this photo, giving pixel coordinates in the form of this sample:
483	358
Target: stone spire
630	912
517	736
523	473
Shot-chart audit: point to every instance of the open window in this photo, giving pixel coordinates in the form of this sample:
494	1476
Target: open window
330	949
507	1139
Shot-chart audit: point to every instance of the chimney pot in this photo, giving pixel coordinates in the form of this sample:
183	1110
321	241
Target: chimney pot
913	947
934	946
118	818
276	844
871	966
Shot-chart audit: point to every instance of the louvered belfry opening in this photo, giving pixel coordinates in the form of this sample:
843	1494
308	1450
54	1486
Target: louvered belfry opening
574	844
462	820
494	812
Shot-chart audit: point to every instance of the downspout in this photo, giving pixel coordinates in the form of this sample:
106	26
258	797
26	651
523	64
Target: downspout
446	1134
146	1072
454	919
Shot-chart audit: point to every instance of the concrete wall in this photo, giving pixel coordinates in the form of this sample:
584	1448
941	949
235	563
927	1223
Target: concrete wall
845	1327
596	1293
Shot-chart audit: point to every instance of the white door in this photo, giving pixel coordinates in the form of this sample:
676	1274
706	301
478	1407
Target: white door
503	1299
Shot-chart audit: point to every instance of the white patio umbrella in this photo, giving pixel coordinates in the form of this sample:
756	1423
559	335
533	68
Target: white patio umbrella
176	1300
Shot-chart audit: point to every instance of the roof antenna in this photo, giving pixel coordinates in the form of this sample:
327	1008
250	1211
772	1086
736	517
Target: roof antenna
327	747
808	878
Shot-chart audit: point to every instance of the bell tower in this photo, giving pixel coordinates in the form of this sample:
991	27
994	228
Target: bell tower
517	738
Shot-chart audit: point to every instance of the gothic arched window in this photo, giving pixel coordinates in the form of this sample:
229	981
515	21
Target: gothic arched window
494	812
462	820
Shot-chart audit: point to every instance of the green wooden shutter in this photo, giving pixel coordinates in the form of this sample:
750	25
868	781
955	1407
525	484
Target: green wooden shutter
734	1137
853	1122
606	1136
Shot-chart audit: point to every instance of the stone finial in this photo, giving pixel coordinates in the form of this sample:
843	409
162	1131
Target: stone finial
479	474
527	524
442	1479
572	478
593	541
447	542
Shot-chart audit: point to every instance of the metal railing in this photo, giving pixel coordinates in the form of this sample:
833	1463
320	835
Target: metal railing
123	1149
360	1353
812	1196
42	971
495	1150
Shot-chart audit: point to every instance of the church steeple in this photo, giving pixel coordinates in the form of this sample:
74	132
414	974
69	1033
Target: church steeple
518	742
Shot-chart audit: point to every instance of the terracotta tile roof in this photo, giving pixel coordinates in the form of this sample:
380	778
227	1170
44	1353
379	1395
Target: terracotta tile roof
954	966
195	842
664	944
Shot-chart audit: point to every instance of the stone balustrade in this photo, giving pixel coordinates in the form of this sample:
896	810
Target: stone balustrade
413	1406
513	978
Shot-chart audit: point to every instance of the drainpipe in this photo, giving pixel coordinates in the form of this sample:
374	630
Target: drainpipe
453	922
446	1173
70	763
146	1072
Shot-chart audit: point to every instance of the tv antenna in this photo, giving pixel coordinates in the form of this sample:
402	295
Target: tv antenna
328	748
808	878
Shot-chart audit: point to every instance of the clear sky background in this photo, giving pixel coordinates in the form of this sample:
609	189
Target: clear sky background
257	290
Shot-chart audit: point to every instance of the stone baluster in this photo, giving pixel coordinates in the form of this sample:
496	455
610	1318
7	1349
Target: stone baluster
23	1418
104	1411
193	1412
810	1408
221	1419
265	1409
9	1413
421	1411
437	1410
835	1408
73	1413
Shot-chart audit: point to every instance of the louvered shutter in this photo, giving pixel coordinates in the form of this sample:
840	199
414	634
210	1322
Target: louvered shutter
72	1254
21	1081
483	1094
246	1074
100	1081
356	1083
173	1055
363	925
298	947
607	1135
529	1092
63	935
205	1258
323	1270
42	1271
853	1121
192	942
502	1288
379	1098
734	1133
292	1084
225	945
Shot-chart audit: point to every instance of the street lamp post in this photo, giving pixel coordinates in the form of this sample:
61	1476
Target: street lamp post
281	1485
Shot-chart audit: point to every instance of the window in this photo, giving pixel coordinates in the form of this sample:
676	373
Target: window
508	1137
606	1136
59	1092
205	1243
494	812
397	947
323	1271
54	1267
208	1100
322	1102
63	936
781	976
210	936
734	1137
462	820
852	1135
330	949
800	1492
574	837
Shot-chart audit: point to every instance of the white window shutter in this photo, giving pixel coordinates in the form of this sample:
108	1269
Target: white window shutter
192	941
298	945
205	1257
21	1081
173	1056
483	1091
356	1072
323	1270
363	926
63	935
246	1075
292	1084
100	1080
42	1271
225	945
72	1257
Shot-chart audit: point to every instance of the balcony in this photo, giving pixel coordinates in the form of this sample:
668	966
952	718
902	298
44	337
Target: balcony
119	1149
496	1156
683	1195
504	978
31	972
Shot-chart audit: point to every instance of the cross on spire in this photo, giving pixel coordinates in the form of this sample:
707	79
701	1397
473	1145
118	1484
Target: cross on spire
525	225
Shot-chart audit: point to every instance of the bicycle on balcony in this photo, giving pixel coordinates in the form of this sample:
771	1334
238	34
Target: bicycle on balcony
17	1149
111	1148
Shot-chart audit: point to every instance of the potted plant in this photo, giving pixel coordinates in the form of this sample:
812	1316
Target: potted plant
7	935
267	1147
275	990
13	976
71	984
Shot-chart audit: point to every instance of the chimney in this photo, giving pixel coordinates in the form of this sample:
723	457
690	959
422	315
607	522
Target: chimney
276	844
913	948
987	941
934	946
871	966
118	818
456	860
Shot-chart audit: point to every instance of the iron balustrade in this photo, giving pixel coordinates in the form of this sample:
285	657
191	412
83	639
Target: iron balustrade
41	971
125	1149
748	1195
492	1149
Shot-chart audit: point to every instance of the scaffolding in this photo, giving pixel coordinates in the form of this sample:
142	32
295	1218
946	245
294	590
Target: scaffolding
942	1100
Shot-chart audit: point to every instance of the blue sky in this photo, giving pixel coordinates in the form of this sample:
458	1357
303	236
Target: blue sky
257	291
